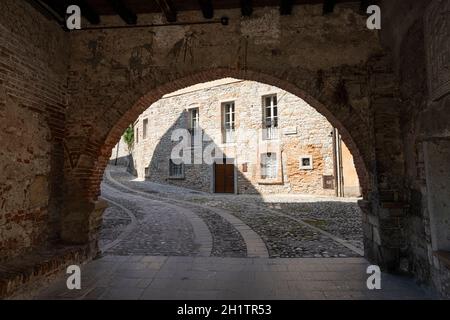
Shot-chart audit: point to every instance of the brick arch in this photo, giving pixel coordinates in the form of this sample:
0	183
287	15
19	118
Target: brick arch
146	93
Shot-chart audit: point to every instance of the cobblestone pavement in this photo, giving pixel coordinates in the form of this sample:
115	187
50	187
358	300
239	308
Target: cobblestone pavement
209	278
289	226
162	242
159	228
164	229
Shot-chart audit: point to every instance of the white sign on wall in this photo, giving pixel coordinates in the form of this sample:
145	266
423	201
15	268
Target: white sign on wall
290	130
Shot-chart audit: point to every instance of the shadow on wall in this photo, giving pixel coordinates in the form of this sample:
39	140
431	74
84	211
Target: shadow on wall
218	174
285	237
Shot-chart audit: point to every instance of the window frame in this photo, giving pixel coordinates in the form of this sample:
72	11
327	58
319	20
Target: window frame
145	123
137	135
311	164
264	166
172	165
270	122
228	127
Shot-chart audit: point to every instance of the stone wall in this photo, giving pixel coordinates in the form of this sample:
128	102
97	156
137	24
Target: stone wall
33	94
115	74
424	121
332	62
302	132
120	155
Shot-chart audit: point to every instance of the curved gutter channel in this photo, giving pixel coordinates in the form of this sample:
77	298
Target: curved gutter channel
200	229
256	247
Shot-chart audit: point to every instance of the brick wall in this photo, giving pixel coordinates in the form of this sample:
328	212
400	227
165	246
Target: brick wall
33	78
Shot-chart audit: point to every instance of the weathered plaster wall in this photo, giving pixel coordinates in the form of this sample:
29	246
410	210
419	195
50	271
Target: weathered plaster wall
33	76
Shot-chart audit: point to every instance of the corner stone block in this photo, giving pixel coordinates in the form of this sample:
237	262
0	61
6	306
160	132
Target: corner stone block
82	221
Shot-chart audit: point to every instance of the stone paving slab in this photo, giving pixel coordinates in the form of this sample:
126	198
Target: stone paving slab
186	278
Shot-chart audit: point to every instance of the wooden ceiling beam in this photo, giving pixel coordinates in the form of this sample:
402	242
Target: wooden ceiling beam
207	8
123	11
48	11
286	7
168	9
365	4
328	6
86	11
246	8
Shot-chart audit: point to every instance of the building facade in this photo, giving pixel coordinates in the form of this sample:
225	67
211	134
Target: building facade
240	137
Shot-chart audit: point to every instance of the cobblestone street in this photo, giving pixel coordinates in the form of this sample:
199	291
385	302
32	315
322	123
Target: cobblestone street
154	219
161	242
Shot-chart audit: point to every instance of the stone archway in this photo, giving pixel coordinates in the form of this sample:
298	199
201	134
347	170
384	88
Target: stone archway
115	74
86	176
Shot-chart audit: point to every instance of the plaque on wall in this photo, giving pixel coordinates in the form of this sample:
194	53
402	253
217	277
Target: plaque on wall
437	40
290	130
328	182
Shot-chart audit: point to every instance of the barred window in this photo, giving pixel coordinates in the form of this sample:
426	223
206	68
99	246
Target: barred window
269	165
176	170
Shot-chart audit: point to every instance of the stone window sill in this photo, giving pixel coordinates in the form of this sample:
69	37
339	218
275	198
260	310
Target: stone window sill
270	182
444	257
176	178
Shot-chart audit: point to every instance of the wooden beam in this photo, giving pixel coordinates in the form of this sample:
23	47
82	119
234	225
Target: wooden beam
47	11
123	11
168	9
86	11
246	8
286	7
328	6
207	8
365	4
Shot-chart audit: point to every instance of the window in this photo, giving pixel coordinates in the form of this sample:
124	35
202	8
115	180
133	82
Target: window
176	170
228	122
137	135
269	166
270	126
194	120
144	130
306	163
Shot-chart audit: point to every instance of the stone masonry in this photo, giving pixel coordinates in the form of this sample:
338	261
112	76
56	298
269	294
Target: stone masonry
302	132
66	99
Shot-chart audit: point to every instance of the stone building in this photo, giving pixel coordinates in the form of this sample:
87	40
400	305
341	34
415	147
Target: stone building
67	97
271	140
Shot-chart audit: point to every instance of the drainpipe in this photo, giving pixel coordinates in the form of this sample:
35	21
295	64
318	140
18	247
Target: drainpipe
341	167
335	167
338	166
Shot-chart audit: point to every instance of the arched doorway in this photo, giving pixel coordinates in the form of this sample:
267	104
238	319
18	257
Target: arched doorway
89	186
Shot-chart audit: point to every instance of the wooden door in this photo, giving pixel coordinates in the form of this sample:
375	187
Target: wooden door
224	178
